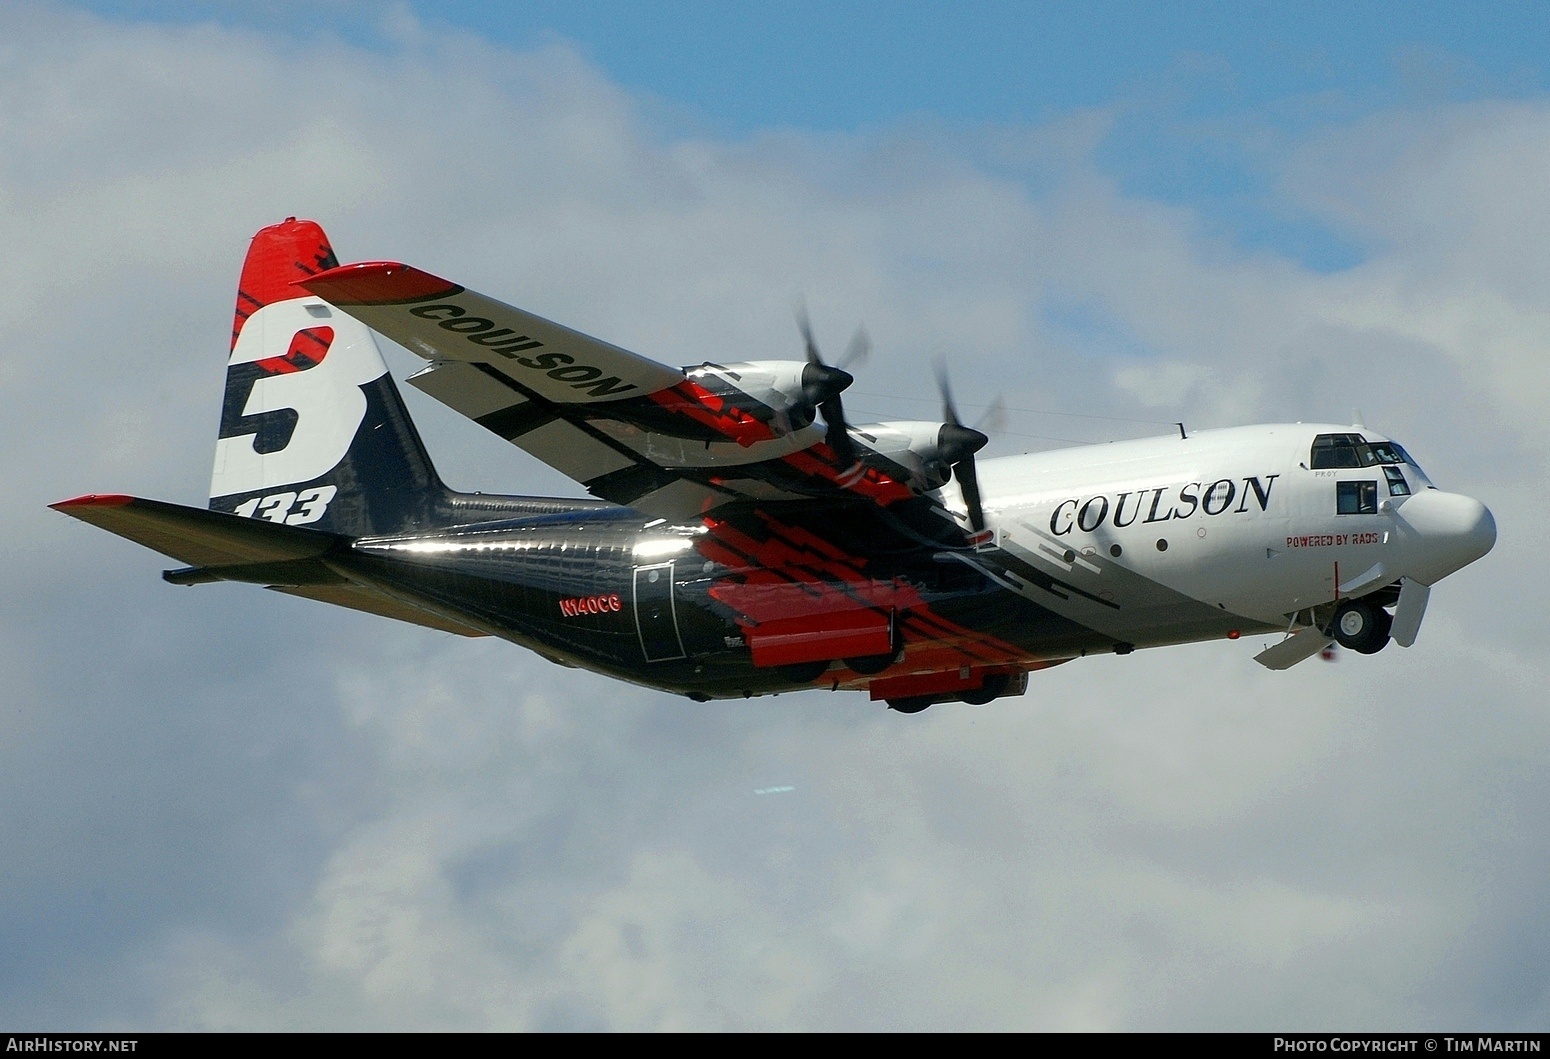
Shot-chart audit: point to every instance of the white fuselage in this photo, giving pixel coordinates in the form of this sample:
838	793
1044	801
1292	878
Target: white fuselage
1233	520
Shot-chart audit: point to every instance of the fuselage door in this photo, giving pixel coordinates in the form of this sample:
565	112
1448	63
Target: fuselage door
656	617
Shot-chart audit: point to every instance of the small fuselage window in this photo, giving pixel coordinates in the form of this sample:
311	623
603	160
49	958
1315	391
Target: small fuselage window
1356	498
1397	484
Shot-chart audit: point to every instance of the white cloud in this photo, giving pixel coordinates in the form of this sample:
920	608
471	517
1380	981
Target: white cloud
266	814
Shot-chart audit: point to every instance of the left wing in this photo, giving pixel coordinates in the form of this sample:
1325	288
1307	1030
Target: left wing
631	430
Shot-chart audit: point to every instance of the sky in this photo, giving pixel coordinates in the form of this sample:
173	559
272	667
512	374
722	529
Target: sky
222	808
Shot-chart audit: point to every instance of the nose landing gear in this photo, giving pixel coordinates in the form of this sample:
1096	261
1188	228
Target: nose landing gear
1361	625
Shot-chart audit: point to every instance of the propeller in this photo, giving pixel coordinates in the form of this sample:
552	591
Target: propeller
822	384
956	445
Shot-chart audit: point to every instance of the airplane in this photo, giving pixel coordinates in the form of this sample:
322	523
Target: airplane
745	538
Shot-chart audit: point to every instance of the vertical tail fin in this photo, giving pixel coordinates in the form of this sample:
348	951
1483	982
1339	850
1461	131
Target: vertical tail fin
313	430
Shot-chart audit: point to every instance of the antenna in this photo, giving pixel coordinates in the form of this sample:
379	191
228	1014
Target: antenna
1182	436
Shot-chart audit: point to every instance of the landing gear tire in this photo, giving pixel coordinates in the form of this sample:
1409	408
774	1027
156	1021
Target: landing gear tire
913	705
804	672
871	665
994	687
1361	626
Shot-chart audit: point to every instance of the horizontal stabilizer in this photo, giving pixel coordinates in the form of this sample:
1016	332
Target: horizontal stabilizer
1294	649
194	535
222	547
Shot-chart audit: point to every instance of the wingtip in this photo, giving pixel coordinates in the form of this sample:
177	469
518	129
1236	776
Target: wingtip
376	283
94	500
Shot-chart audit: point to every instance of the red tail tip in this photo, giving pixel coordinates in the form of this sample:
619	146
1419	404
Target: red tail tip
280	255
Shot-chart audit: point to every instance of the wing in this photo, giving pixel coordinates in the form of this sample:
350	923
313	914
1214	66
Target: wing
630	430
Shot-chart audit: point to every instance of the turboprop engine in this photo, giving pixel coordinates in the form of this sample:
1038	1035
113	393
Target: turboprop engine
929	450
794	390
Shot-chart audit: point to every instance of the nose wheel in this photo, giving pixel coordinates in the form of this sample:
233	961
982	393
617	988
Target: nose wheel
1361	626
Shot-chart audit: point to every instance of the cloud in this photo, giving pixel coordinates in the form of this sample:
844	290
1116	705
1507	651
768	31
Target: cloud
229	809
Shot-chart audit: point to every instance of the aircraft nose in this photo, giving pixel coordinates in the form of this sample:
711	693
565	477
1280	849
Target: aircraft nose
1452	531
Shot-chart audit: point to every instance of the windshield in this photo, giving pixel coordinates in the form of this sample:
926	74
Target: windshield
1352	450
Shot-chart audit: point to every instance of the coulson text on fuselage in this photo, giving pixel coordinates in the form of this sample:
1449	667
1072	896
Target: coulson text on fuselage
1160	504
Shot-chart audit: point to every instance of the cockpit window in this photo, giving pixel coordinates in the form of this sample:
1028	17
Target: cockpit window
1388	452
1336	450
1352	450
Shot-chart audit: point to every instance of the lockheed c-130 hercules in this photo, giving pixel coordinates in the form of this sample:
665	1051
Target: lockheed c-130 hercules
746	539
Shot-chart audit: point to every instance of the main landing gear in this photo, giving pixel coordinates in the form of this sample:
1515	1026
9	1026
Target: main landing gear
872	665
1361	625
995	686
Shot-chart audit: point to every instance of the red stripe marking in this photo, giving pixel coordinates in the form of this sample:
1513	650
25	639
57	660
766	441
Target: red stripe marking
690	399
375	282
872	483
308	348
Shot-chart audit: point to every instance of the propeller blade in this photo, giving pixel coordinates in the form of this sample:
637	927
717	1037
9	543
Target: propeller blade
858	351
969	486
806	326
994	419
838	436
949	410
956	446
822	383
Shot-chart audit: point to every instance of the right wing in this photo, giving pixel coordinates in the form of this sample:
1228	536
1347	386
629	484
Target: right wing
631	430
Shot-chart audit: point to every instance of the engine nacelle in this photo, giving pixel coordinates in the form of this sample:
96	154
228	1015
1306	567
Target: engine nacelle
786	393
776	387
915	445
